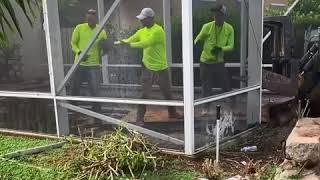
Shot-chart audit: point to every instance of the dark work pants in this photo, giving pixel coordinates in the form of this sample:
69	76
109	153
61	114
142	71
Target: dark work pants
148	78
90	75
211	75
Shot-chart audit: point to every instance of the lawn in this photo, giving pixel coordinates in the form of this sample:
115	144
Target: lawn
60	163
17	169
14	170
57	164
10	143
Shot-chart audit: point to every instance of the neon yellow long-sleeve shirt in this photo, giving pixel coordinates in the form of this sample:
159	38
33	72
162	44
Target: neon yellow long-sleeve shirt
152	41
80	39
215	36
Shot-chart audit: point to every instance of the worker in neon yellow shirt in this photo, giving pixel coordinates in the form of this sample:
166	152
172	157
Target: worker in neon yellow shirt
90	65
218	38
151	38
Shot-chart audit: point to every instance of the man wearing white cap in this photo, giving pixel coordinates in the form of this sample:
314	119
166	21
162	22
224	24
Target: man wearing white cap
151	38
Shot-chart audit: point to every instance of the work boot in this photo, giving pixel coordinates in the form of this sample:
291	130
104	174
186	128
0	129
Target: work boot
140	115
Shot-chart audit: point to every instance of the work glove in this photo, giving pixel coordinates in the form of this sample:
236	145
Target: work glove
216	50
106	45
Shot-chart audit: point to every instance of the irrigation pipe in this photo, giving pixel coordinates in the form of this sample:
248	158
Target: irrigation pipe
27	134
218	133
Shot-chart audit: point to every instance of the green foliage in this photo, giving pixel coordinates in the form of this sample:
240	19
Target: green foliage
172	175
117	155
306	12
212	170
10	144
14	170
8	50
9	19
267	172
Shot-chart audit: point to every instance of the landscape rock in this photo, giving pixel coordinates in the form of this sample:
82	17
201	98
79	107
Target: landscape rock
303	144
298	174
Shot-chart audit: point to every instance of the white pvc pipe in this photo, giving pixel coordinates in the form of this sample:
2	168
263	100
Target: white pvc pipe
217	141
218	111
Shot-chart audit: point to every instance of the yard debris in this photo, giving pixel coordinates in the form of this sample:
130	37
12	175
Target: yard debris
116	155
212	170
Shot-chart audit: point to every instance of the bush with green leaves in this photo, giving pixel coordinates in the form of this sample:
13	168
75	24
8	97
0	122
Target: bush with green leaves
8	17
305	13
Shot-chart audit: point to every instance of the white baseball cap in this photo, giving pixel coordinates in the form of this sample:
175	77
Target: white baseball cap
145	13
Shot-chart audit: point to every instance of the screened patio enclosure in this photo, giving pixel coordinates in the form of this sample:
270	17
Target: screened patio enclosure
53	107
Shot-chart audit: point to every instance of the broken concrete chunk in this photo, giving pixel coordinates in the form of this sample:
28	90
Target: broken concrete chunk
303	144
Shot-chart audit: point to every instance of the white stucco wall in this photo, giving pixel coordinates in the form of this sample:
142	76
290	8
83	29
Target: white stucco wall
33	47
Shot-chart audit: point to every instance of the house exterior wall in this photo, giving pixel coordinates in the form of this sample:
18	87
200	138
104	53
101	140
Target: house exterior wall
33	46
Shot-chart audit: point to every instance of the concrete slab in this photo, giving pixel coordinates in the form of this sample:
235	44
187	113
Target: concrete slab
303	144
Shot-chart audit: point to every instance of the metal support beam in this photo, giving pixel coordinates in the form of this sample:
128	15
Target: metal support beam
291	7
121	100
188	91
55	60
104	58
167	29
266	36
254	59
226	95
122	123
101	12
244	42
90	44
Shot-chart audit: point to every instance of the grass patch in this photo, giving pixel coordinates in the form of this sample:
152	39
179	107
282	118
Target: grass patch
11	143
59	163
53	158
268	172
172	174
14	170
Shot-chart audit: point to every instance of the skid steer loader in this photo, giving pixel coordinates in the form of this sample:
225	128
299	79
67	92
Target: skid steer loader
287	75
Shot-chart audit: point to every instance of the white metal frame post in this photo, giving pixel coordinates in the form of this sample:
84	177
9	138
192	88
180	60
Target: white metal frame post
244	42
188	91
166	9
55	61
104	58
254	60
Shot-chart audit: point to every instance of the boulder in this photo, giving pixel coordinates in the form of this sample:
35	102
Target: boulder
303	144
